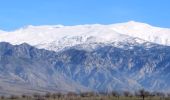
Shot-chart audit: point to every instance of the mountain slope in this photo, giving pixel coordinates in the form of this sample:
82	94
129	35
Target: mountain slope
110	68
28	69
105	68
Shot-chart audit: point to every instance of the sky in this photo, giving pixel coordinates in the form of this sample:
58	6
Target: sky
20	13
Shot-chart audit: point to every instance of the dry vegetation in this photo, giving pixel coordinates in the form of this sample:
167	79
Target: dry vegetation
140	95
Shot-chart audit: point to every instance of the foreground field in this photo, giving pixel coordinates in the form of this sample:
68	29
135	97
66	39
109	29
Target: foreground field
86	98
90	98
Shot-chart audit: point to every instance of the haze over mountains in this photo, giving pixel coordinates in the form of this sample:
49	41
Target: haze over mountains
124	56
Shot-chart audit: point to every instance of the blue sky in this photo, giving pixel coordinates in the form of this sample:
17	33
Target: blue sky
18	13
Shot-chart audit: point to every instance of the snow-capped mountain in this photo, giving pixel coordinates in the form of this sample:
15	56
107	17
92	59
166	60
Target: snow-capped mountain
58	37
124	56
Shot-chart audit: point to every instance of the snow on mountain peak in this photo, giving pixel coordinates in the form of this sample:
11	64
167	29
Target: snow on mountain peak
144	31
59	36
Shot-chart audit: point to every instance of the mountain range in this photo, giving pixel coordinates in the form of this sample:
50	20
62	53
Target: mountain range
103	58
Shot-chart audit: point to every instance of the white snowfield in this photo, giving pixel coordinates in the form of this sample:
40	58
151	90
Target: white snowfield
57	37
